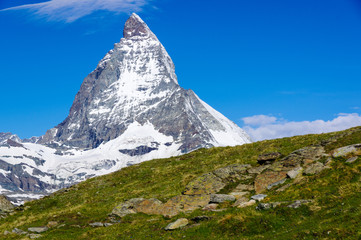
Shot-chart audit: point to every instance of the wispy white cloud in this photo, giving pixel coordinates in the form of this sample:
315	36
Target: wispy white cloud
261	127
258	120
71	10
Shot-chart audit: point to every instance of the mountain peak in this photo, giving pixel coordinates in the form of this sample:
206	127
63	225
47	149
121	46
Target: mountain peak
135	26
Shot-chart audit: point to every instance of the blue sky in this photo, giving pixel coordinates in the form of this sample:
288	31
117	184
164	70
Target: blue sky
273	67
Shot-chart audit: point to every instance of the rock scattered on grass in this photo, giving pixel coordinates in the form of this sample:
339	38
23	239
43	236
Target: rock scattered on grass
52	224
298	203
210	207
281	189
34	236
181	222
292	204
265	206
19	231
38	229
351	160
247	204
238	195
259	197
294	172
350	149
61	225
96	224
220	198
275	184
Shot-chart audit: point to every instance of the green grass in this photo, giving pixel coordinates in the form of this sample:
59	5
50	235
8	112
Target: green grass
334	214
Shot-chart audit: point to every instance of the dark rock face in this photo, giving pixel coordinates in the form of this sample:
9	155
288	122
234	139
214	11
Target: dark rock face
12	143
19	180
4	137
135	26
141	150
268	157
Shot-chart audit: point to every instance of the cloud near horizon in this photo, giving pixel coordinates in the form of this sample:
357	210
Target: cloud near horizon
261	127
70	10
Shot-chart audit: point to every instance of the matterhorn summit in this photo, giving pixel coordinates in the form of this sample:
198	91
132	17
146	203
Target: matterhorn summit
128	110
135	84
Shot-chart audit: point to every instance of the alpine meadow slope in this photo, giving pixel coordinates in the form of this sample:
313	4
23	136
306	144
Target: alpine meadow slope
128	110
315	203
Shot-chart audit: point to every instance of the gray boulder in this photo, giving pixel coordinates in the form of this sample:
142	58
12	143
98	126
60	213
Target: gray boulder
344	151
182	222
96	224
128	207
220	198
34	236
38	229
265	206
275	184
294	172
259	197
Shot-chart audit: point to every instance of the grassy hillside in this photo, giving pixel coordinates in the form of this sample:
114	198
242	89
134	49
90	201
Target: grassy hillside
335	212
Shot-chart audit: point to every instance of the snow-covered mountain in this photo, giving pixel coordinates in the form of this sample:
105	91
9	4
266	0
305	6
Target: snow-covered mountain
128	110
5	136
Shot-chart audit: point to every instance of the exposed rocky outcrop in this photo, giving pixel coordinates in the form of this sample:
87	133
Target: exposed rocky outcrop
268	178
314	168
215	181
5	204
203	191
268	158
134	205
